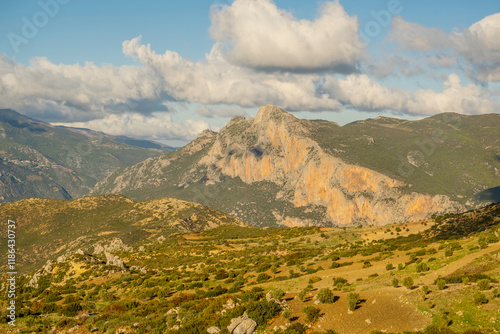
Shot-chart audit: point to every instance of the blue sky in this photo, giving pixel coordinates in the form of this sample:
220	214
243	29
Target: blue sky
419	60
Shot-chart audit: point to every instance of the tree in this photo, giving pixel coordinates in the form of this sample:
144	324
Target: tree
326	296
312	313
441	284
483	284
408	282
353	299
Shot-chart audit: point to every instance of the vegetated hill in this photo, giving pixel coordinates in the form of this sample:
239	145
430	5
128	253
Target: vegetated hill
277	169
47	228
464	224
41	160
365	279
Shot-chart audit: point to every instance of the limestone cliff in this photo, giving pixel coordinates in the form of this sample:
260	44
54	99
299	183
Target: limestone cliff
281	152
277	169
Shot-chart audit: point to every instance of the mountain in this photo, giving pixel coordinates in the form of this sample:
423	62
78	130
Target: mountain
51	228
277	169
41	160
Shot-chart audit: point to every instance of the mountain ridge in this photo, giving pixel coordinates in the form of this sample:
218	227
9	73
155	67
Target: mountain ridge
297	172
38	159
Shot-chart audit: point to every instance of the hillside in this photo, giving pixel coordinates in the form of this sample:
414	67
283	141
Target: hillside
391	279
41	160
49	228
277	169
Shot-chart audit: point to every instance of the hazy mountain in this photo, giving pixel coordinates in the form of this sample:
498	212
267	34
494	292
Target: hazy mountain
41	160
275	168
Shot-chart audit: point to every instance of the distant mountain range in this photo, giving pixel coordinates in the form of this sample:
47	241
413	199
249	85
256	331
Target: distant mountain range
41	160
277	169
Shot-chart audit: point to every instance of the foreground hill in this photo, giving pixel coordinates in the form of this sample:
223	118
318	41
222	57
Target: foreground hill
49	228
277	169
41	160
307	280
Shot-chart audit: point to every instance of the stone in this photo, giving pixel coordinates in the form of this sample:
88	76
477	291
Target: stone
213	330
242	325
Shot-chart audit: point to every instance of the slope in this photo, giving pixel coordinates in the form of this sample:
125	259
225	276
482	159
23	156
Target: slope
40	160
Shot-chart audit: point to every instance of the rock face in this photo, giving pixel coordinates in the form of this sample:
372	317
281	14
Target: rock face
279	164
242	325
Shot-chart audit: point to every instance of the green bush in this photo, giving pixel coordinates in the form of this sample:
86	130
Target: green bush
296	328
262	311
353	300
408	282
277	293
422	267
483	284
389	266
326	296
480	298
262	277
72	309
441	284
312	313
314	279
395	282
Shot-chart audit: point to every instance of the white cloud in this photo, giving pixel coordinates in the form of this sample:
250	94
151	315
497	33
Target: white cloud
157	126
210	112
363	93
257	34
215	81
416	37
479	45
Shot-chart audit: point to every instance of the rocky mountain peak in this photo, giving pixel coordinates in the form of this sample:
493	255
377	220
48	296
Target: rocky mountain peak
270	112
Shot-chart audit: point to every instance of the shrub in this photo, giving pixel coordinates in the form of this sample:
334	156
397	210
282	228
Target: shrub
480	298
448	252
400	266
441	284
314	279
262	311
295	328
312	313
326	296
389	266
422	267
72	309
395	282
495	293
262	277
367	264
353	299
277	293
287	314
483	284
408	282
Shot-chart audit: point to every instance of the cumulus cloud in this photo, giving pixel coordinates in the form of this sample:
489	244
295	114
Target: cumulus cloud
257	34
361	92
479	44
76	92
210	112
157	126
416	37
215	81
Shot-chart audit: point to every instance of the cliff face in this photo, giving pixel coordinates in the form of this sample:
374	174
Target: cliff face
277	169
281	152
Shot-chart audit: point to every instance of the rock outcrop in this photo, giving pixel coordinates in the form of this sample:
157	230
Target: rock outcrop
242	325
301	173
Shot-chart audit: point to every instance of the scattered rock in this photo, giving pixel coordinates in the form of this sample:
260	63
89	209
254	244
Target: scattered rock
213	330
242	325
114	260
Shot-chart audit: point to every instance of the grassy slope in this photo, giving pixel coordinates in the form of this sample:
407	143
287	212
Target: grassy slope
457	155
200	272
48	228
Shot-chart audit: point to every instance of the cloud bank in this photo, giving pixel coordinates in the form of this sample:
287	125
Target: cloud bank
261	55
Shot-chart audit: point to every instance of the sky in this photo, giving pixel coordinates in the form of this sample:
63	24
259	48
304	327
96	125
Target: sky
167	70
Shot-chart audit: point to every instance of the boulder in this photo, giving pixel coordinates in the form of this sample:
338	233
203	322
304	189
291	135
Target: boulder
242	325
